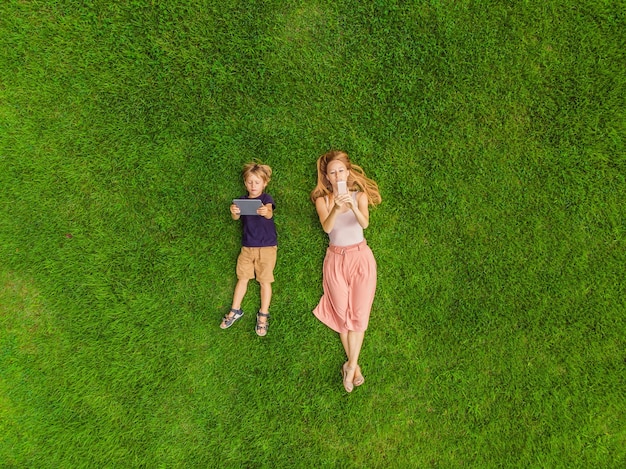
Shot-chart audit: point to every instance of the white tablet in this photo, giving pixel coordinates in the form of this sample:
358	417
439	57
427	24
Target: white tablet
248	206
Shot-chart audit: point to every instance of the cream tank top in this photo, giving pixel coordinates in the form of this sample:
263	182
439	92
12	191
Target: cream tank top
347	230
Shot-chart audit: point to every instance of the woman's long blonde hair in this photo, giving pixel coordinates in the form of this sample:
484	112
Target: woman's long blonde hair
356	180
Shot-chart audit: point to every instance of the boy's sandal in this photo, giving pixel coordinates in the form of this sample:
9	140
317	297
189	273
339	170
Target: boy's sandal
228	321
261	329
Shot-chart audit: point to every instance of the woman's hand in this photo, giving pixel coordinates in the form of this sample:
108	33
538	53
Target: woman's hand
343	200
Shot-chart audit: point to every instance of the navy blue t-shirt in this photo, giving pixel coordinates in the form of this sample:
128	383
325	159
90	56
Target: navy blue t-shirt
258	231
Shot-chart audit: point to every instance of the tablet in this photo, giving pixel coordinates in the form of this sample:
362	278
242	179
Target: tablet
248	206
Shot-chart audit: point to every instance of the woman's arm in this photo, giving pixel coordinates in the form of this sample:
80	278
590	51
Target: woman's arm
327	217
361	210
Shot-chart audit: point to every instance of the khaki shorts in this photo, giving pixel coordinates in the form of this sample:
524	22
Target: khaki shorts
259	262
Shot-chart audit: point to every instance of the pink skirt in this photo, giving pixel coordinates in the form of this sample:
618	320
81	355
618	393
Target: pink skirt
349	281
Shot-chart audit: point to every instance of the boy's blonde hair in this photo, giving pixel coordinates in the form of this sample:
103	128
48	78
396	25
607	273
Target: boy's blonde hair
262	171
356	180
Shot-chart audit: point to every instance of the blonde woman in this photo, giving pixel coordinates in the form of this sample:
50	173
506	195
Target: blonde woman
342	198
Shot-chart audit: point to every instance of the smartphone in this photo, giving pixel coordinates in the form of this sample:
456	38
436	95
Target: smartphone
342	187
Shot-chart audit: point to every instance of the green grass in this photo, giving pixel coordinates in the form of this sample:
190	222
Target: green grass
496	133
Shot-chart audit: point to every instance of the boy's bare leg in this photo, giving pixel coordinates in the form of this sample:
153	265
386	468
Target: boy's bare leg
240	292
266	297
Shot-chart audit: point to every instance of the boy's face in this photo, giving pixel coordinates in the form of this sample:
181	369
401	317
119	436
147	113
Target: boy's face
254	185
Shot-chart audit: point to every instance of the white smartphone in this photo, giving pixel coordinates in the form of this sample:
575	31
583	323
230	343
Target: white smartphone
342	188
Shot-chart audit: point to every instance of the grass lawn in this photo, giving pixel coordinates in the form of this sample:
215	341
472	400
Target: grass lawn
496	132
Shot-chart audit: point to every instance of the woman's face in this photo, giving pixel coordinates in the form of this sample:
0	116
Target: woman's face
336	170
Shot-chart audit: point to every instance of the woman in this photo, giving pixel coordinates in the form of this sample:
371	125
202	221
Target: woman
342	198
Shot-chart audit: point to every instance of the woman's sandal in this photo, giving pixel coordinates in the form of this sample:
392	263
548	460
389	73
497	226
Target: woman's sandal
359	379
347	385
261	329
229	320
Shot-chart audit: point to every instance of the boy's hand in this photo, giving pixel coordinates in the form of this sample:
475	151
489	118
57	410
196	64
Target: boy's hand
234	210
265	211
